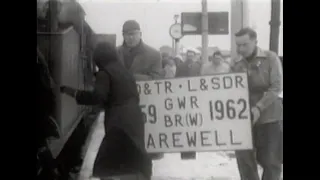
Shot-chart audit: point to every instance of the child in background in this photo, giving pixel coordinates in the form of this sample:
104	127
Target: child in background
170	68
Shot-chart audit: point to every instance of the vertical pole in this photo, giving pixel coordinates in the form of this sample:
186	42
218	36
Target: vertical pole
176	49
205	38
175	41
53	15
275	25
173	46
239	19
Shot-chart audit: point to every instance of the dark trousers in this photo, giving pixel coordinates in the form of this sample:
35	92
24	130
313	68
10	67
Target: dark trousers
267	152
118	155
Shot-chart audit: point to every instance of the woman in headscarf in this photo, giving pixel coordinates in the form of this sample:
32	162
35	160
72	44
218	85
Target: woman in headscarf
122	150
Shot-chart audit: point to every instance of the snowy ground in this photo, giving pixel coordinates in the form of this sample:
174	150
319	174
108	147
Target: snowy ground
207	166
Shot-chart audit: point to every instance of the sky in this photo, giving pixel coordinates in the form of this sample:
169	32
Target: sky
156	16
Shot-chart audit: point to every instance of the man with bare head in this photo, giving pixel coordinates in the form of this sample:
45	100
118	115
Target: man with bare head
191	66
217	65
265	79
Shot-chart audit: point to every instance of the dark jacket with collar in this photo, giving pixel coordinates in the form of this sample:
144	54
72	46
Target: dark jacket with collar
143	61
265	79
189	68
115	89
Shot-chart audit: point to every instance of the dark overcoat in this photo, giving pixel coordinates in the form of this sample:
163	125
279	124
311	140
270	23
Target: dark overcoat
143	61
115	89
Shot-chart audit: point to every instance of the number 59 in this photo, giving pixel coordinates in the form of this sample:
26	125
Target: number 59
149	112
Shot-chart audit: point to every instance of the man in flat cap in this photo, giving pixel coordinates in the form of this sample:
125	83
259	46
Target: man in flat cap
139	58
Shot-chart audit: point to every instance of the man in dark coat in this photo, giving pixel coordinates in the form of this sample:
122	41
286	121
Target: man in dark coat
139	58
191	67
143	61
122	150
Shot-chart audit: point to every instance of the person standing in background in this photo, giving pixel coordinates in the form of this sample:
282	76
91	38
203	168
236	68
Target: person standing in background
265	78
170	68
216	66
139	58
165	57
191	67
178	60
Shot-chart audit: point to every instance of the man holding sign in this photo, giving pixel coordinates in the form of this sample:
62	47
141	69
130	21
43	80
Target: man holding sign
265	79
196	114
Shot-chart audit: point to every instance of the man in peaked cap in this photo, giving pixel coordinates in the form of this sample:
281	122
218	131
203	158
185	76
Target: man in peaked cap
139	58
143	61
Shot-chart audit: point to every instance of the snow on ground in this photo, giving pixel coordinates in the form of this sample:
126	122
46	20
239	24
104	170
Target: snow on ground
207	165
95	140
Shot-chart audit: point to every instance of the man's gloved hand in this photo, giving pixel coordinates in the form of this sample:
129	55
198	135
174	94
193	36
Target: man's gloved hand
255	111
68	90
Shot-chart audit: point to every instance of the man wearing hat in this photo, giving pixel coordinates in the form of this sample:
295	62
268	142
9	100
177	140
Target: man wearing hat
139	58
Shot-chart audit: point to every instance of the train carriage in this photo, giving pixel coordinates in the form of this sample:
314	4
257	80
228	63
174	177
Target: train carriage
65	44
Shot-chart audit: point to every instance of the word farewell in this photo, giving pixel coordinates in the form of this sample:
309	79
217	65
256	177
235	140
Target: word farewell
192	139
205	113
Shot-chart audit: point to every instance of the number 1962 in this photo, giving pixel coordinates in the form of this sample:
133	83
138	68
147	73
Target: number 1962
220	110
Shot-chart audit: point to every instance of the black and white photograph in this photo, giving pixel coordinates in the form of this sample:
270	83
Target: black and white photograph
159	90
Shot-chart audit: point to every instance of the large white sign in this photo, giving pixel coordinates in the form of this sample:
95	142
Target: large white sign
206	113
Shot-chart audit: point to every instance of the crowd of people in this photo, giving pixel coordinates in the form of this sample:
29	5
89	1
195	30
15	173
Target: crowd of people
122	149
191	65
